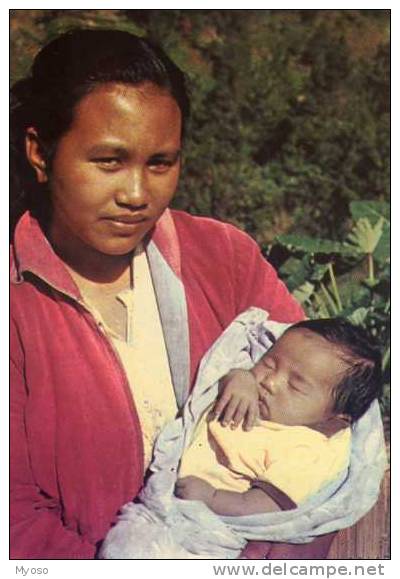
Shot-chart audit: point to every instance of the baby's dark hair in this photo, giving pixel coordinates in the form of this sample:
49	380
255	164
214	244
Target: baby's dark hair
362	382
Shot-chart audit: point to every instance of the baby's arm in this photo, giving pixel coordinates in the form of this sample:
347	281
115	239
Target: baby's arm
226	503
238	399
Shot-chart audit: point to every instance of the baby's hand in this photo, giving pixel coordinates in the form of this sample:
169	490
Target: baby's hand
194	488
238	400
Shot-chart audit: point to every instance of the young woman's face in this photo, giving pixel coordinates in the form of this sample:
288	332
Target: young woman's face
116	169
297	378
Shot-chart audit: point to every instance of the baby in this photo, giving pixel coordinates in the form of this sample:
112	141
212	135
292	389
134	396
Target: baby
277	434
301	397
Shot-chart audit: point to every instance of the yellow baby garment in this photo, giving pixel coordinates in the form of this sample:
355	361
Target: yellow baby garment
297	460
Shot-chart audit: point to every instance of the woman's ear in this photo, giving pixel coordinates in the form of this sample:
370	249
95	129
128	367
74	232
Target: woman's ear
34	153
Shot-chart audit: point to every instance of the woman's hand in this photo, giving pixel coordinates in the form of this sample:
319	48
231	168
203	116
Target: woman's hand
195	489
238	400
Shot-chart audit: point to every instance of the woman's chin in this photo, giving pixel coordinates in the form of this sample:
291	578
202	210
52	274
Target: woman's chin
119	247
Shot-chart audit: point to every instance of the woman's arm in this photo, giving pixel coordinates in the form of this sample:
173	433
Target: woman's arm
252	501
36	528
317	549
257	283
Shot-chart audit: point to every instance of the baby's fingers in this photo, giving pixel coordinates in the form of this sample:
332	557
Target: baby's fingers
230	411
221	404
241	411
252	417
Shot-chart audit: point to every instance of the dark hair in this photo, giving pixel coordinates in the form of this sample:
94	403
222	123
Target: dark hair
63	72
362	382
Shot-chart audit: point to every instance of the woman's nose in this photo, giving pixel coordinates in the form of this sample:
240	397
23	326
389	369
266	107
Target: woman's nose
133	191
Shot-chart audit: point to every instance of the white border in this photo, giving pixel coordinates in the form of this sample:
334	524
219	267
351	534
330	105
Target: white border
203	569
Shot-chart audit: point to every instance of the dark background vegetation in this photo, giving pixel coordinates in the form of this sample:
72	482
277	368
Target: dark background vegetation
290	130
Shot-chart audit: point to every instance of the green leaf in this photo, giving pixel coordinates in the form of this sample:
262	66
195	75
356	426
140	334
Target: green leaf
358	316
295	272
354	294
374	211
304	292
382	250
319	271
324	304
371	210
314	245
364	236
371	283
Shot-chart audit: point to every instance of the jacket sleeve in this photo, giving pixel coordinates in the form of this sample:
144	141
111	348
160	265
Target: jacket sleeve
257	283
36	527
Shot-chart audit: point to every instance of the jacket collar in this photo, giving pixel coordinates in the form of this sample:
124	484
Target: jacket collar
166	239
33	253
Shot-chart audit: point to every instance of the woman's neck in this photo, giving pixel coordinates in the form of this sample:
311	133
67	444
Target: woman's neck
92	265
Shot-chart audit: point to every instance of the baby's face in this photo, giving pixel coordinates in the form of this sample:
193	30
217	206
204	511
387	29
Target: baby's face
297	377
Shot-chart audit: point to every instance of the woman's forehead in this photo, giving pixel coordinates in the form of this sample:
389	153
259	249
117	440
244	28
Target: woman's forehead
127	111
117	98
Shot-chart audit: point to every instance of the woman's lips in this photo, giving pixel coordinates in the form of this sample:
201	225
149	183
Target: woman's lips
127	219
126	223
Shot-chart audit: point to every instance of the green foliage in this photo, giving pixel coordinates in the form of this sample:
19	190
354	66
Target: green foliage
313	245
377	214
360	292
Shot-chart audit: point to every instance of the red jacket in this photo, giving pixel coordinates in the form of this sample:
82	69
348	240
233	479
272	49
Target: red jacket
76	446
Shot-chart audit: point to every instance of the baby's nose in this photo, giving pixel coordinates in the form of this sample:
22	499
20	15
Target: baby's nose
270	384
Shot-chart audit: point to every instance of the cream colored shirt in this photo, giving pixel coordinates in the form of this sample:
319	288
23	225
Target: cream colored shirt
144	355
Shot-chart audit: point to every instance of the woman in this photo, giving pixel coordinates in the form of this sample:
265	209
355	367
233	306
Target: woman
114	298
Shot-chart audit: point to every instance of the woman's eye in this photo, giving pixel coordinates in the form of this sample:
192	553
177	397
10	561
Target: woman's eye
160	165
107	163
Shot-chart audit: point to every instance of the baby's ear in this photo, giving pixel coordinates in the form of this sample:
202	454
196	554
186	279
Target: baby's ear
345	417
